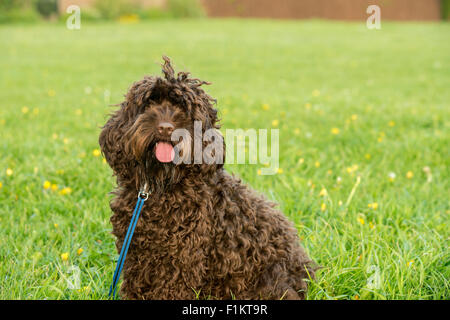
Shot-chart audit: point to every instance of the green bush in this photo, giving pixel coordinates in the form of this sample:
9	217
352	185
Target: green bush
13	5
25	15
185	8
30	10
154	13
12	11
47	7
113	9
445	9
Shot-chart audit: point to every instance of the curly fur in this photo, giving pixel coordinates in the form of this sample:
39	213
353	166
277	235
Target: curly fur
201	230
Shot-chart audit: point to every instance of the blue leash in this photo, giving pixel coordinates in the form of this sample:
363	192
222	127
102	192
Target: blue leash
142	197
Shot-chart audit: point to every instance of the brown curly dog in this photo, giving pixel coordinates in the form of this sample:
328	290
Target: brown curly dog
201	233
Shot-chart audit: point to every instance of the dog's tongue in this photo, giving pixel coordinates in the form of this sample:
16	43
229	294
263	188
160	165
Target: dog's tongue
164	152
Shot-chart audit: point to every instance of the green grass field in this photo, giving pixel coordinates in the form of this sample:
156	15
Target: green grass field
349	102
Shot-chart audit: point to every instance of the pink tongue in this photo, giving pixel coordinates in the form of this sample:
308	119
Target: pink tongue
164	152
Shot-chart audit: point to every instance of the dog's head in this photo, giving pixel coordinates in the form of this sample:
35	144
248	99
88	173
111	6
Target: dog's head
153	131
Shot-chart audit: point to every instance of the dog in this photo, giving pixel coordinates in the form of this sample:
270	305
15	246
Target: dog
202	232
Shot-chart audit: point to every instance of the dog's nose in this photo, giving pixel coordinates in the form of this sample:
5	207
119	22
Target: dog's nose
165	128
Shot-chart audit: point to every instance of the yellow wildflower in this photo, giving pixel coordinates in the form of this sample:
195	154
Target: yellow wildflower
275	123
47	185
54	187
367	156
361	220
65	256
301	160
356	297
96	153
78	112
409	175
54	136
85	289
66	141
9	172
354	117
25	110
265	106
340	203
280	171
308	106
36	111
56	225
373	206
391	123
323	207
80	251
1	185
129	18
410	263
296	131
323	192
317	164
259	172
51	93
335	131
65	191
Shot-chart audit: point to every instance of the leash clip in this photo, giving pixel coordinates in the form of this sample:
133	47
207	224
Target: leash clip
143	193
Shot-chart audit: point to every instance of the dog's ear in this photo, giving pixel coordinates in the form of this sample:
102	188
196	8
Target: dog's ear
113	138
112	142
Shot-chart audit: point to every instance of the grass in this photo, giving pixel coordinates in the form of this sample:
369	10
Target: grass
349	103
